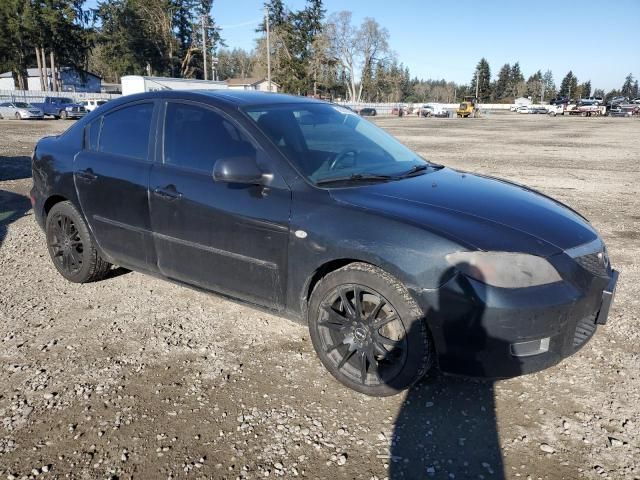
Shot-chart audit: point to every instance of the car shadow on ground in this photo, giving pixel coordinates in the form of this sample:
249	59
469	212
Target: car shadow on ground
447	425
15	167
12	207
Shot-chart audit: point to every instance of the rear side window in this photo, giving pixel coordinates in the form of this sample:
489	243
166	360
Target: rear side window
126	131
196	137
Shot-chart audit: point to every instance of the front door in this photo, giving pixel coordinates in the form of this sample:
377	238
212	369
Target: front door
111	175
230	238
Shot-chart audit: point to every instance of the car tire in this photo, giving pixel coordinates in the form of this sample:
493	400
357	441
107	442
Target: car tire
378	345
17	116
63	114
71	247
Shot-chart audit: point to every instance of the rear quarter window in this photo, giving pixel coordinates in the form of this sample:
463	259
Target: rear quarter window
91	134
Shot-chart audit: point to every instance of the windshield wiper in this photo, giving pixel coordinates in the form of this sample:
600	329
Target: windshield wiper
356	177
419	168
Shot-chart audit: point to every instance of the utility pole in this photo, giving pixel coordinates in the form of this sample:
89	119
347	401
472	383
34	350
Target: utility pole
266	21
204	49
477	83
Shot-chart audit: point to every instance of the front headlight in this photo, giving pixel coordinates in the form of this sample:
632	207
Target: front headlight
505	269
69	109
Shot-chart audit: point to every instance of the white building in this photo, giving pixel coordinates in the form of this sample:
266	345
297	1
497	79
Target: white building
522	101
260	84
138	84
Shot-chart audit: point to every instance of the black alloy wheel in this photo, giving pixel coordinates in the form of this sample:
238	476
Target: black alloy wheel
71	247
65	244
368	331
362	335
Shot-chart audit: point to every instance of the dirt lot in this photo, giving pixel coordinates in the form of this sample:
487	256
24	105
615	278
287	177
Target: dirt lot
133	377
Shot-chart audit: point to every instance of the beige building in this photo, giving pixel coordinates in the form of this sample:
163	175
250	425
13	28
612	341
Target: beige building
260	84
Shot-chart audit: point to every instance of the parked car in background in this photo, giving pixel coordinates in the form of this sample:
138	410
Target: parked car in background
92	103
368	112
618	100
20	111
539	110
593	100
307	210
559	100
554	110
61	107
433	110
524	109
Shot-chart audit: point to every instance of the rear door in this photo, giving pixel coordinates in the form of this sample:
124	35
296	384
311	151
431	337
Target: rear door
111	175
230	238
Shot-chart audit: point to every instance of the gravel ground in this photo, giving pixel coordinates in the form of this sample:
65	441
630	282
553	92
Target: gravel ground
133	377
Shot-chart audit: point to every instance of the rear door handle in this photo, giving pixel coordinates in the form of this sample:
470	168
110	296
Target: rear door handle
87	175
168	193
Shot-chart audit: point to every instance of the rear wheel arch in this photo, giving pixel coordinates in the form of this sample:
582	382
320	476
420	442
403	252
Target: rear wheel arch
51	201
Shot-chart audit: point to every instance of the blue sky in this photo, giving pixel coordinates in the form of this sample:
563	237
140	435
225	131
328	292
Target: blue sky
597	39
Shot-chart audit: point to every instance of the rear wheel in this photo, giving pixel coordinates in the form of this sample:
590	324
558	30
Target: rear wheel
368	331
70	246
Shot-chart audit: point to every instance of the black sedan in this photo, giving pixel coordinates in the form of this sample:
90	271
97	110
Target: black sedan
368	112
304	208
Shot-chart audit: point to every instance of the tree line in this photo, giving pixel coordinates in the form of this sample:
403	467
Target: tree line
510	83
311	53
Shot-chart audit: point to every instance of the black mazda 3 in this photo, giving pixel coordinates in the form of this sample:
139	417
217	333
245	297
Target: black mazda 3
301	207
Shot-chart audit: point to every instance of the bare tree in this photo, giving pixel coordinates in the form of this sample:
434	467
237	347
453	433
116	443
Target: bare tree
356	49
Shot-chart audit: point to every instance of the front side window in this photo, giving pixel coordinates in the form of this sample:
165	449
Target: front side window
326	141
196	137
126	131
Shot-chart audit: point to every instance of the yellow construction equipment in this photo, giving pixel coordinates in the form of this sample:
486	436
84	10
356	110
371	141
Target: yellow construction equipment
468	108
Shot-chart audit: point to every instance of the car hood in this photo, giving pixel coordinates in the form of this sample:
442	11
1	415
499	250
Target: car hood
476	211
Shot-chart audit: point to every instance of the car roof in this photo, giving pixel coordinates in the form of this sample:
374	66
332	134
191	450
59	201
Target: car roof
238	98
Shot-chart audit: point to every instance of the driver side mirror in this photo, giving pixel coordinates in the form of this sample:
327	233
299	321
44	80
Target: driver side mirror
239	170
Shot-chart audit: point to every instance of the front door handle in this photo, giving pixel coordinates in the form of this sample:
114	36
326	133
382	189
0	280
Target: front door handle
168	193
86	175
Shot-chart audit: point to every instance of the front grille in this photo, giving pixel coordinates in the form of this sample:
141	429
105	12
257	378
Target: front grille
594	264
584	330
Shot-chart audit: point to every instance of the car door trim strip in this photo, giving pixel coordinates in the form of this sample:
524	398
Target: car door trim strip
187	243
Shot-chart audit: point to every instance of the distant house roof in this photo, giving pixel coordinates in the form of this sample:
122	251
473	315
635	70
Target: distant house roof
33	72
247	81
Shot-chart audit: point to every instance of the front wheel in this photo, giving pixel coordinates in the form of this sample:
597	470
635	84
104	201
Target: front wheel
368	331
71	247
63	114
17	116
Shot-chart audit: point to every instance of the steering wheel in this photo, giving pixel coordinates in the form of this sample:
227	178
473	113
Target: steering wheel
343	155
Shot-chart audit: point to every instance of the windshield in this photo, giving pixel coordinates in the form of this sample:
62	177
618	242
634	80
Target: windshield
22	105
326	141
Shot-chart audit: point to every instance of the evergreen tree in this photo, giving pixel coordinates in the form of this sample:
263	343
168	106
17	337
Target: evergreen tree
549	85
515	79
534	86
585	89
569	85
627	86
482	80
501	86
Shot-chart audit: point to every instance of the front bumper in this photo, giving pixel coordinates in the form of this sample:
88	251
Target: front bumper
480	330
